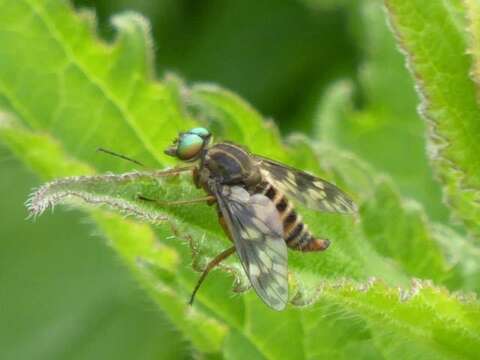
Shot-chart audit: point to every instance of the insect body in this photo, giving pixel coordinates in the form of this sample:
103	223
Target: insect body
252	197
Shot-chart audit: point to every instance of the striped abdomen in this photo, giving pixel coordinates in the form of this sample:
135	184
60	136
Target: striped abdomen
296	233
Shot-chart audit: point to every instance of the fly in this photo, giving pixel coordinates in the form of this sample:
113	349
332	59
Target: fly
252	196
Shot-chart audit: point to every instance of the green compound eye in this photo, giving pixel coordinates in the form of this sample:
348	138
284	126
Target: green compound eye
189	146
200	131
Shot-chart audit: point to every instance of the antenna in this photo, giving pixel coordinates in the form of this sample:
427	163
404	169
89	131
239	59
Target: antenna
109	152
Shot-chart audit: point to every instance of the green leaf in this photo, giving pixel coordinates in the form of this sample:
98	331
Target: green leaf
135	242
434	41
377	119
462	257
333	109
473	15
107	80
104	95
426	321
64	293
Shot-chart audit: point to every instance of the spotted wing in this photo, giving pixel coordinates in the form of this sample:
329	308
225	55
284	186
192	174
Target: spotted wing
257	232
312	191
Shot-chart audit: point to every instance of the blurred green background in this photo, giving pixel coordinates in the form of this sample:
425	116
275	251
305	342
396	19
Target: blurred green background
59	278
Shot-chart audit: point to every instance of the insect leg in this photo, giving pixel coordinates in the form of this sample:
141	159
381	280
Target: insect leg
224	226
208	199
218	259
174	171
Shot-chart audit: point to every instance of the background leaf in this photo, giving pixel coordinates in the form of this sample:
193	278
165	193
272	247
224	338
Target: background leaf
448	94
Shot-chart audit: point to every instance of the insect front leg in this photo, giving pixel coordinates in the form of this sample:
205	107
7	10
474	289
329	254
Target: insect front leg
196	178
175	171
208	199
172	172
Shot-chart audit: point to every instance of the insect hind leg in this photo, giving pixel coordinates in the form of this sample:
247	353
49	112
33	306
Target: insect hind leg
212	264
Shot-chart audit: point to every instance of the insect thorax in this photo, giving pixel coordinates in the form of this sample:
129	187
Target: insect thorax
228	164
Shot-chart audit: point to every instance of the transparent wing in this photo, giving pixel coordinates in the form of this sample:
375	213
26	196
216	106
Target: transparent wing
257	232
312	191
